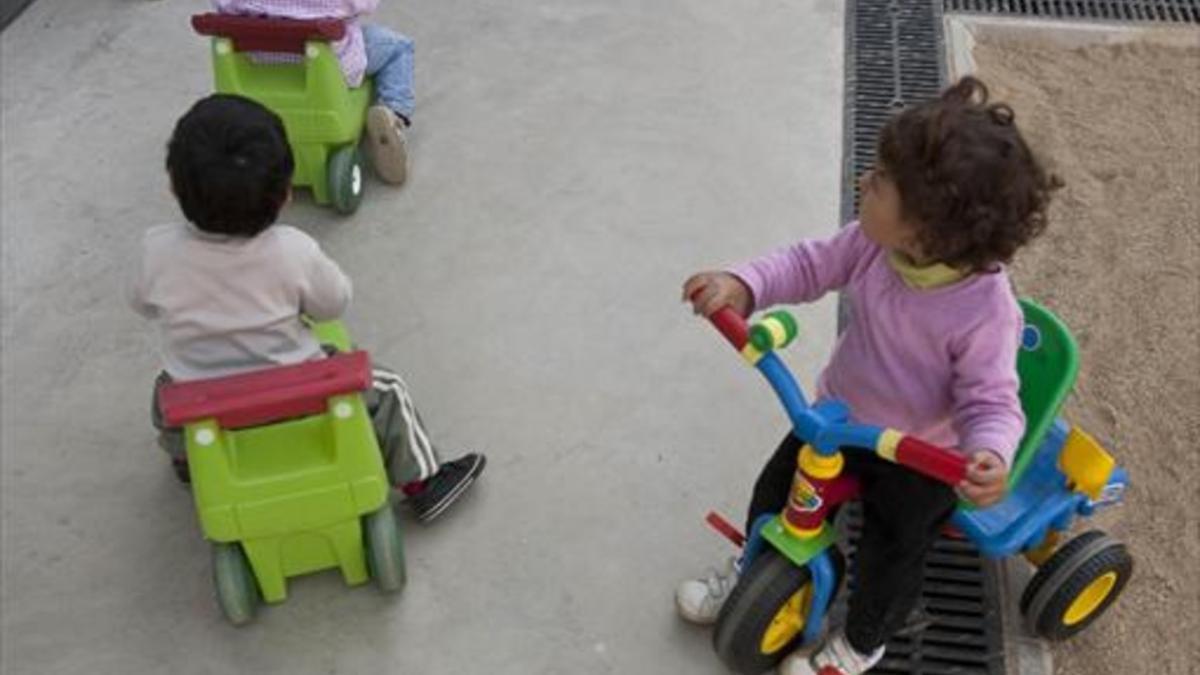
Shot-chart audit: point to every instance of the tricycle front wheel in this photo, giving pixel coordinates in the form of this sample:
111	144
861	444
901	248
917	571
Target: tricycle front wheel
765	615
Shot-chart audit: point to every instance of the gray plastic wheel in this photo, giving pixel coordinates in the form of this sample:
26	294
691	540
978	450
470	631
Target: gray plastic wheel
237	592
346	179
385	550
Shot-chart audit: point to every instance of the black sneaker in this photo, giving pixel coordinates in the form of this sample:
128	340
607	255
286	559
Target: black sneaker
180	467
447	485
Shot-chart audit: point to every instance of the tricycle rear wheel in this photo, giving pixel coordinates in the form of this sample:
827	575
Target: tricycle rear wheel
1076	585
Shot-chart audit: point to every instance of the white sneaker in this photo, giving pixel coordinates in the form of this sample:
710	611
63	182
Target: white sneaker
835	657
700	600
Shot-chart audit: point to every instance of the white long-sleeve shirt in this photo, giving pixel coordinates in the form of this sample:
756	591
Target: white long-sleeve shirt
224	305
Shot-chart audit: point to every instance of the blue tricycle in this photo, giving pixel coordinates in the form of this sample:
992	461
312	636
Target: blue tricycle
791	566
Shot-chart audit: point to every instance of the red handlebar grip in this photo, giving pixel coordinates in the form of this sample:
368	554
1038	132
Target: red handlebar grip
732	326
938	463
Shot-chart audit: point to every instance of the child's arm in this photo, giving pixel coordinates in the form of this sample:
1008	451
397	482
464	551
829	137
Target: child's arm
805	271
987	406
326	291
135	287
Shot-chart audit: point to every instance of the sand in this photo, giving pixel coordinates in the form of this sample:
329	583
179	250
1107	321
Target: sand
1120	263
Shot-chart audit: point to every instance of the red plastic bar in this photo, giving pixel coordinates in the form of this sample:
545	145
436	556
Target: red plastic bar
267	395
936	462
732	326
267	34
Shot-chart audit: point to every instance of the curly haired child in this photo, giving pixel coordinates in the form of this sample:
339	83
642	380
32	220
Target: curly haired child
930	346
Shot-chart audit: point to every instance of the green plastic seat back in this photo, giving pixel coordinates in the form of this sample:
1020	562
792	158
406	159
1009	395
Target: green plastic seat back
291	475
319	112
310	96
1047	363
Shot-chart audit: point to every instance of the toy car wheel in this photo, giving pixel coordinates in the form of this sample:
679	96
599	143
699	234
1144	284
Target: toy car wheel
765	615
346	179
1076	585
385	552
237	592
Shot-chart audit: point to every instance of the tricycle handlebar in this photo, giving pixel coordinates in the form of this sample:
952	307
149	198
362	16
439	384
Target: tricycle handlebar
830	421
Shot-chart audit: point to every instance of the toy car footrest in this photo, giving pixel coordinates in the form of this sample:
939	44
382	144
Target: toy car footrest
265	396
267	34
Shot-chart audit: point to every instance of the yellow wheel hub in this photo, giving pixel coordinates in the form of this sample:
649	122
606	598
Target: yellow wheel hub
788	621
1090	598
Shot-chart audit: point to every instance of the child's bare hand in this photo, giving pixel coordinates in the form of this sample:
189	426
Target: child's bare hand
987	478
710	291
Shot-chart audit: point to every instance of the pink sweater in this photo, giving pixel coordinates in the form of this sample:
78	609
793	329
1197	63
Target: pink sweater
937	363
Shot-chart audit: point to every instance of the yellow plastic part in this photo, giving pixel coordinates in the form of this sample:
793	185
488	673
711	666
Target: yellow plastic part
800	532
751	354
820	466
1085	463
788	622
1038	556
889	440
778	331
1090	599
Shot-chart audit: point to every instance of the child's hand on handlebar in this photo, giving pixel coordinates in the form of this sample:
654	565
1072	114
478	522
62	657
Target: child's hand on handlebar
987	478
710	291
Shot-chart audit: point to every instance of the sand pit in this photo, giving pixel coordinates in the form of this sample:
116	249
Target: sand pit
1115	113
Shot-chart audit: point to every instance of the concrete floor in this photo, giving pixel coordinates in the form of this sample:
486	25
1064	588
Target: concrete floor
574	160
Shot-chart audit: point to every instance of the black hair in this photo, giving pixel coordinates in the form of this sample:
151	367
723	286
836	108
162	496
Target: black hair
230	165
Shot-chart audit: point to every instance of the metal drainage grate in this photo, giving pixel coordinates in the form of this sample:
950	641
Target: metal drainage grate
1173	11
956	629
893	59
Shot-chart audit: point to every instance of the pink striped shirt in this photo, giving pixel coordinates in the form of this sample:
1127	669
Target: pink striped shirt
351	52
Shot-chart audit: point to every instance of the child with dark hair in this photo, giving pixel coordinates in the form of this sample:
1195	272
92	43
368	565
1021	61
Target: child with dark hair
930	347
229	289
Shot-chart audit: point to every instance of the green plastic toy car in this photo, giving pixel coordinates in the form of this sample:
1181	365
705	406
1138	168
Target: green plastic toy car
287	476
323	117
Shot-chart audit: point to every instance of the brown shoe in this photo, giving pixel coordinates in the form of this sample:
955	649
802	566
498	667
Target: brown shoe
386	145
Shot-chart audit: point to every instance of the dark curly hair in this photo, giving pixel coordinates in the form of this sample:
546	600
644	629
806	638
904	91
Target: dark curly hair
230	165
966	177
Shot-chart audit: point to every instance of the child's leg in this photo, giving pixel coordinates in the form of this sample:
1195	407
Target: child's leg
902	515
699	600
774	482
390	64
409	456
170	439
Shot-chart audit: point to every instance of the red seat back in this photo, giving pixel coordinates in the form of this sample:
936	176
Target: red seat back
265	396
268	34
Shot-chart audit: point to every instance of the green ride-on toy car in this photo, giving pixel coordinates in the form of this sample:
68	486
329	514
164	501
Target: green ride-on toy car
287	476
791	566
324	117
